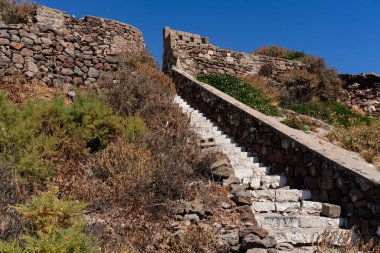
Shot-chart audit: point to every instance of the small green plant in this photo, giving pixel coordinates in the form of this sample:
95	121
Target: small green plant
56	226
242	91
333	112
300	123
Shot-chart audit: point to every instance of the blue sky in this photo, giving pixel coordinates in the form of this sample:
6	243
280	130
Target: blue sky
345	32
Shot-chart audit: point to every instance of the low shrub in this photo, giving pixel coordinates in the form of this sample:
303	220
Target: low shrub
139	89
39	134
261	84
363	139
300	86
328	83
242	91
14	12
279	52
55	225
194	239
300	123
332	112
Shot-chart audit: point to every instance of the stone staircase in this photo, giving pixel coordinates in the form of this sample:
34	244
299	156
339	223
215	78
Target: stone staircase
291	218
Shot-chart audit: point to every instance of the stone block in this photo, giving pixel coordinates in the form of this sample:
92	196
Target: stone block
327	182
263	207
287	195
264	194
311	207
288	207
332	211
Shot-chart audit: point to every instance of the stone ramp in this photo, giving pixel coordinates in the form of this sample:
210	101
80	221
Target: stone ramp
290	215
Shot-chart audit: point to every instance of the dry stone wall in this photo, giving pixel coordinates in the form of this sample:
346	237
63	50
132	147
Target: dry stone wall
196	55
362	92
56	49
332	174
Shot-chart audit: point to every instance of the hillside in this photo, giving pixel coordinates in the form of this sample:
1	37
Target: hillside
102	152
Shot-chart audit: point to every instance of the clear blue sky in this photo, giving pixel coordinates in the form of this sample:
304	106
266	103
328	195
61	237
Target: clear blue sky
345	32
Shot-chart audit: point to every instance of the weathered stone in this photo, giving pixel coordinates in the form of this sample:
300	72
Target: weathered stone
329	210
287	195
26	52
253	241
231	237
94	73
263	206
67	72
18	58
288	207
32	67
16	45
4	42
261	232
246	214
356	194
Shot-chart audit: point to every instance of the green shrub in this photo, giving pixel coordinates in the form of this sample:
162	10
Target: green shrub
332	112
14	12
39	133
242	91
299	123
56	226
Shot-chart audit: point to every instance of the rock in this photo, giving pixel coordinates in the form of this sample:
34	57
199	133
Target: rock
257	250
26	52
18	58
191	217
329	210
222	172
242	200
94	73
16	45
246	214
231	237
32	67
225	205
232	179
356	194
67	72
285	246
253	241
261	232
4	42
71	94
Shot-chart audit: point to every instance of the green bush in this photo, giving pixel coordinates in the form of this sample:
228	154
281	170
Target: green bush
242	91
333	112
299	123
56	226
39	133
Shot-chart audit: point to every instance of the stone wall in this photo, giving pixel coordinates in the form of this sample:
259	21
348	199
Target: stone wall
54	48
333	174
362	92
196	55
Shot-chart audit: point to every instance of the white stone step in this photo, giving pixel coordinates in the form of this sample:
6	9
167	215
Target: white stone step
268	182
300	236
280	195
270	221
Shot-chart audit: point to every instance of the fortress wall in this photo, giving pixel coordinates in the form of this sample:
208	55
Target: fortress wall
54	48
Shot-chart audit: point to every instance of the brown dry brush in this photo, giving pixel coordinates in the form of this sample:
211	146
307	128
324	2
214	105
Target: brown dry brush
15	12
341	242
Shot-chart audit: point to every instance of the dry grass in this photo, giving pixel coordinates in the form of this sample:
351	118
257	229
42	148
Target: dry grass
341	242
260	83
14	12
362	139
301	86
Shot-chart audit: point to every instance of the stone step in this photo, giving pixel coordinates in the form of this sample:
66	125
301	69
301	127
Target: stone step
283	207
301	236
270	221
268	182
281	195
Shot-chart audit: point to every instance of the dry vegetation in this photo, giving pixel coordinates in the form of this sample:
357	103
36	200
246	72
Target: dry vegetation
126	152
14	12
